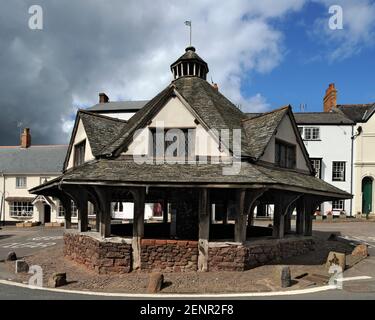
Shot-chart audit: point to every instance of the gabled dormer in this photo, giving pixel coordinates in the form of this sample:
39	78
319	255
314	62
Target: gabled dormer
275	140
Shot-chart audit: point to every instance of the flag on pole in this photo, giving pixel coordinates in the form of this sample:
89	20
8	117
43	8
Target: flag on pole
188	23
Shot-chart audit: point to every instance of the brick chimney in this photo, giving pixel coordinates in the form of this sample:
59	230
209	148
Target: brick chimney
330	98
103	98
215	86
25	138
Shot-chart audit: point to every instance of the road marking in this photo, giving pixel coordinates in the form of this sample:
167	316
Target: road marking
354	278
363	240
30	245
46	238
172	295
176	295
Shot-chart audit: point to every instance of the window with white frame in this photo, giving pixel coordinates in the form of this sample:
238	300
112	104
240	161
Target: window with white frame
21	209
338	205
21	182
61	212
338	170
44	179
312	133
300	129
317	165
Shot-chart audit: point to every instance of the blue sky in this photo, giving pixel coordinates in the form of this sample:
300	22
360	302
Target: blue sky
306	69
262	53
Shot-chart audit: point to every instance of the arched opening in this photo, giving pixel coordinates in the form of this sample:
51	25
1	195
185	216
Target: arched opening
367	195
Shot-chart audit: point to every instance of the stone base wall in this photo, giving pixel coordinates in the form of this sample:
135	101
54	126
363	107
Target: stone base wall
229	257
169	255
179	255
102	257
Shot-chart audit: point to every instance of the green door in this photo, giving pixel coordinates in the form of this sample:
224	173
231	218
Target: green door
366	195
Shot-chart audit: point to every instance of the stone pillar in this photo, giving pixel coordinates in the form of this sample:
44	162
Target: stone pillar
241	217
204	229
138	225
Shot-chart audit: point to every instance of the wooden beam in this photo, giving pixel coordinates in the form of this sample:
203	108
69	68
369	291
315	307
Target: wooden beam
138	225
283	201
103	215
66	203
204	229
311	203
82	207
241	216
300	219
251	201
80	197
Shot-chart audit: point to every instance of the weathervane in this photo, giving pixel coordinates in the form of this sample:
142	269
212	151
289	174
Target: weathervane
188	23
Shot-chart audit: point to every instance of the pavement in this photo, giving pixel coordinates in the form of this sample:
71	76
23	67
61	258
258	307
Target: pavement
28	241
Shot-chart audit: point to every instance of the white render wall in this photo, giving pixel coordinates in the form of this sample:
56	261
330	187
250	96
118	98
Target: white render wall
286	133
118	115
335	144
364	161
8	183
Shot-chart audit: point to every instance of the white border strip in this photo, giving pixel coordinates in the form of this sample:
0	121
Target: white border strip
167	295
353	278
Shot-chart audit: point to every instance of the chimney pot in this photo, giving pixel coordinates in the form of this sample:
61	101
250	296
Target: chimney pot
215	86
330	98
25	138
103	98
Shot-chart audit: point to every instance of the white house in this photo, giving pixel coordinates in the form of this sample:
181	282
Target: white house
364	155
22	168
328	139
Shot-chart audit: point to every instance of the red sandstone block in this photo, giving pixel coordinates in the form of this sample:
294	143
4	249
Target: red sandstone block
147	242
192	244
159	242
182	243
171	241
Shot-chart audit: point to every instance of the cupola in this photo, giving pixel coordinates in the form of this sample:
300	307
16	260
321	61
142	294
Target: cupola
189	65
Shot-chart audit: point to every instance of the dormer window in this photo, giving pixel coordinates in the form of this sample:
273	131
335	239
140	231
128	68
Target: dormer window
79	153
285	154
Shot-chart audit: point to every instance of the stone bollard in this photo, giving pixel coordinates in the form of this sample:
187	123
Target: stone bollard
11	256
155	283
283	277
57	280
360	251
336	258
21	266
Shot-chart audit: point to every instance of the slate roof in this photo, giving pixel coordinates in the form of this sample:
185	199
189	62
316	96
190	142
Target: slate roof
216	111
125	171
323	118
45	159
260	129
118	106
100	129
357	112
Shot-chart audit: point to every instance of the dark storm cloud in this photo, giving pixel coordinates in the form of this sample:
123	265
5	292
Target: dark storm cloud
123	48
